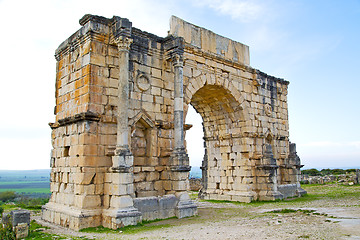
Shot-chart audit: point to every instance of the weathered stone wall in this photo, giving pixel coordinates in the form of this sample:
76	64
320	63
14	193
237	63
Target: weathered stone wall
122	96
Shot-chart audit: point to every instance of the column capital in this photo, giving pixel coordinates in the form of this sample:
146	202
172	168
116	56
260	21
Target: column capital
123	43
177	60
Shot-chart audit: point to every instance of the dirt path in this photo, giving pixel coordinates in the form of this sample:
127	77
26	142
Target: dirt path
326	220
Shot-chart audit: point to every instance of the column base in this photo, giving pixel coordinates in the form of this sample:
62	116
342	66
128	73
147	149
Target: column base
300	192
245	197
186	210
71	217
291	190
179	160
117	218
185	207
270	196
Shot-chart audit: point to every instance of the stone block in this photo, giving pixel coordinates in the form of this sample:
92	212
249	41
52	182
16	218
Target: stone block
121	202
146	204
179	185
144	186
122	178
158	185
118	189
167	185
87	201
22	230
17	217
152	176
139	177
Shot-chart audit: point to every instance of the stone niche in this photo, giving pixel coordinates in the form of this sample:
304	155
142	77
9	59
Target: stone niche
122	94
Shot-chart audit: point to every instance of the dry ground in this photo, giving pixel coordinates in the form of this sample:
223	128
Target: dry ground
327	212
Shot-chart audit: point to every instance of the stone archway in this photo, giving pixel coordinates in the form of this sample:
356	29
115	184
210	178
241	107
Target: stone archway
226	154
118	138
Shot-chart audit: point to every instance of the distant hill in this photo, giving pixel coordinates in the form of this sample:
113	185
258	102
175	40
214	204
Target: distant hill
6	175
195	172
37	173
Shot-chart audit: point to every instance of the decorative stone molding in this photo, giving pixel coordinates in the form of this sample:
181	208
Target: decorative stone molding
177	60
123	43
268	109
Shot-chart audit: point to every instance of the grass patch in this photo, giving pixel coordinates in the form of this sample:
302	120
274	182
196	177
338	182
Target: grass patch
8	207
36	232
333	191
290	210
285	210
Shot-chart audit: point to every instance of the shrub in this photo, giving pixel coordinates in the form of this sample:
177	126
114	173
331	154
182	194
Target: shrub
311	172
338	171
327	171
6	230
7	196
31	203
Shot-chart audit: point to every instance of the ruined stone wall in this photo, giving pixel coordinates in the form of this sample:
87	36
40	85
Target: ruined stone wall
122	97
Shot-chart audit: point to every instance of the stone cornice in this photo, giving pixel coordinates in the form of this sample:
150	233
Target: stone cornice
264	75
218	58
89	17
85	116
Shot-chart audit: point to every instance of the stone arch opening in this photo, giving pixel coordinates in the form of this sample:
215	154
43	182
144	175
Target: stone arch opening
223	120
195	135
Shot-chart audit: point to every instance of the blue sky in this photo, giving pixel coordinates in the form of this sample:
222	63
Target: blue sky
312	44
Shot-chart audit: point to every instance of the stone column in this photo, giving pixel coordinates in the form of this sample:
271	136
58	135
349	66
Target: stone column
121	211
178	104
179	160
267	176
123	158
294	161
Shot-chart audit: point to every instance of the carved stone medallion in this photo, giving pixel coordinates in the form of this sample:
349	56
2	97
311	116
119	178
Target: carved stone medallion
142	82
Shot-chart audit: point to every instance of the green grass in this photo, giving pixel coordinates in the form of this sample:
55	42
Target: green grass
36	232
314	192
290	210
8	207
332	191
21	182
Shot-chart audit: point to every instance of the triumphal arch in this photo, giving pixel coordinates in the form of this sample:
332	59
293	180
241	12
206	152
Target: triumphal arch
122	94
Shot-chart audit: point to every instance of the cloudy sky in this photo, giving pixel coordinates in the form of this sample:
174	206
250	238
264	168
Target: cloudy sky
312	44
